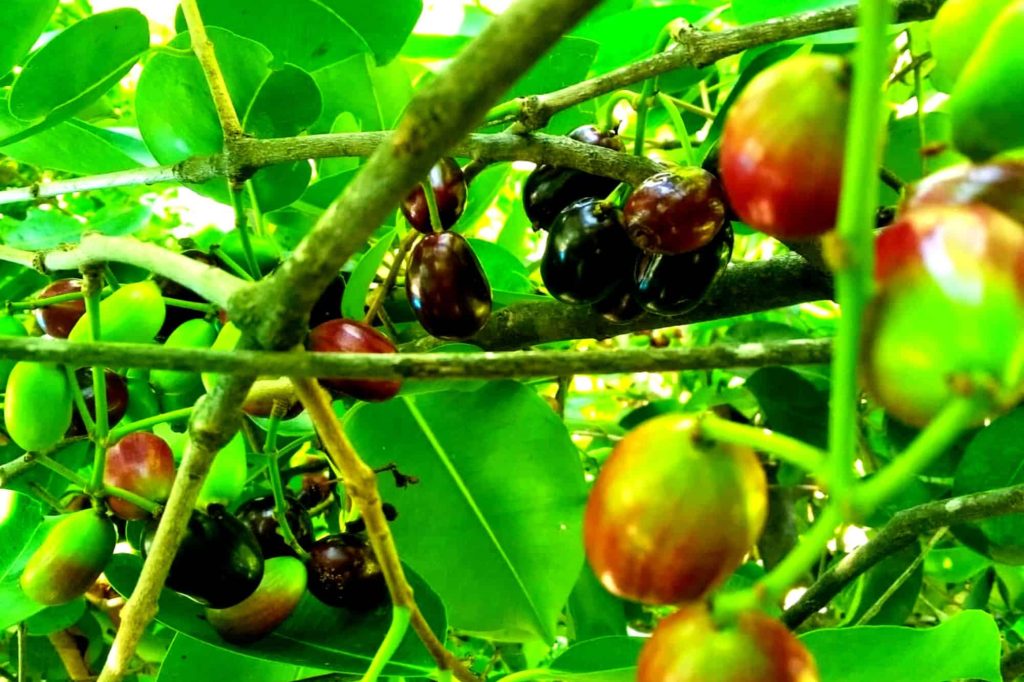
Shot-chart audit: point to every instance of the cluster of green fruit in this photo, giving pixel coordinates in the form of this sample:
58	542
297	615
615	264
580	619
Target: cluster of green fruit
660	253
647	538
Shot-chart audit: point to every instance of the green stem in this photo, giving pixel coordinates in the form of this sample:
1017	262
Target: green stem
504	110
231	263
664	38
855	233
681	132
277	487
110	277
190	305
61	470
431	199
790	450
92	287
242	225
79	399
607	116
138	500
30	303
257	214
400	617
142	424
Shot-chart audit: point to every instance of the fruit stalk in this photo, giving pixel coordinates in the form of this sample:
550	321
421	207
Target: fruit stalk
431	199
677	122
855	238
400	617
790	450
149	422
277	488
138	500
76	395
389	281
644	104
203	48
61	470
242	226
92	287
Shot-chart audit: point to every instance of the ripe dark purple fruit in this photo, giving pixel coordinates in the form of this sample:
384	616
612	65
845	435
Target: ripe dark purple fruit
117	397
549	189
259	515
58	319
673	285
450	191
587	255
344	572
328	306
283	584
349	336
620	306
141	463
676	211
447	287
999	184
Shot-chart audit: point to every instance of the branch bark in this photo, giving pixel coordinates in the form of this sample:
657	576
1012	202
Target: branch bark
902	530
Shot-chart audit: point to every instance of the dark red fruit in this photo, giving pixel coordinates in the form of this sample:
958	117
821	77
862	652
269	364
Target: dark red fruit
450	191
549	189
316	488
782	146
587	255
689	647
117	398
259	515
447	287
676	211
328	306
999	184
673	285
348	336
344	572
58	319
141	463
219	562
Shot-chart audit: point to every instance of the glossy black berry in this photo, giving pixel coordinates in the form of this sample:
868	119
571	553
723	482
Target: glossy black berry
343	572
672	285
259	515
450	191
447	287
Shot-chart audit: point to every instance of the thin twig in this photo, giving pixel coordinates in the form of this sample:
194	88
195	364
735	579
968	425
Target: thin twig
389	280
207	57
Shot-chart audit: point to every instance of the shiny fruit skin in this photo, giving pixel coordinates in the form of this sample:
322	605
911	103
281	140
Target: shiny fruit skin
781	155
349	336
132	314
688	647
59	319
999	184
450	191
9	326
258	514
620	305
676	211
226	479
71	557
587	255
117	397
219	561
549	189
190	334
141	463
279	592
328	306
673	285
37	405
985	106
950	288
671	517
343	572
447	287
958	28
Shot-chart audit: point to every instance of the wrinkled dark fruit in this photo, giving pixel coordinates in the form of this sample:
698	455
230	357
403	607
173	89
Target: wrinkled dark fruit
141	463
673	285
675	212
117	398
999	184
283	584
549	189
343	572
587	255
58	319
328	306
450	190
258	514
171	289
447	287
219	562
349	336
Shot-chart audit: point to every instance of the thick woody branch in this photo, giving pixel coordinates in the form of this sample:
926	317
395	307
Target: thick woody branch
903	529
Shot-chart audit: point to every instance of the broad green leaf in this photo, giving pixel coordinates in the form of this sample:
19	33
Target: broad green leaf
791	404
503	270
21	22
484	539
353	301
301	32
967	645
749	11
954	565
192	660
77	147
375	95
871	586
314	635
482	192
593	611
566	63
40	230
605	659
902	153
383	25
22	528
54	618
69	72
116	220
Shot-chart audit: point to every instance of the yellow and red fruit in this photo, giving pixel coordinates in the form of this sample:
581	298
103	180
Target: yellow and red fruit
141	463
71	557
279	592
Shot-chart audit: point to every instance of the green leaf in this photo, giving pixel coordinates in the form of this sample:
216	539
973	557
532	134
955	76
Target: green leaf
192	660
54	618
21	22
115	221
594	611
301	32
482	192
314	635
69	72
566	63
966	645
40	230
383	25
954	565
605	659
22	528
903	148
485	540
353	301
375	95
503	270
871	586
791	404
77	147
630	35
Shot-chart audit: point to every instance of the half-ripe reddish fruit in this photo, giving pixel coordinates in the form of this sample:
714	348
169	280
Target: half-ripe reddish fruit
782	147
450	191
59	319
349	336
279	592
676	211
672	515
141	463
999	184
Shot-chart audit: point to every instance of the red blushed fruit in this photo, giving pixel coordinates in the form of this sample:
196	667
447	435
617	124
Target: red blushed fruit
450	190
447	287
676	211
141	463
688	647
58	319
671	516
949	303
999	184
782	147
348	336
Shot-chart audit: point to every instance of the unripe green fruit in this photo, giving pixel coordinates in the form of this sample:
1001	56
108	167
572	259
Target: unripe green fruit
191	334
9	326
72	556
279	592
132	314
226	480
37	405
958	28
